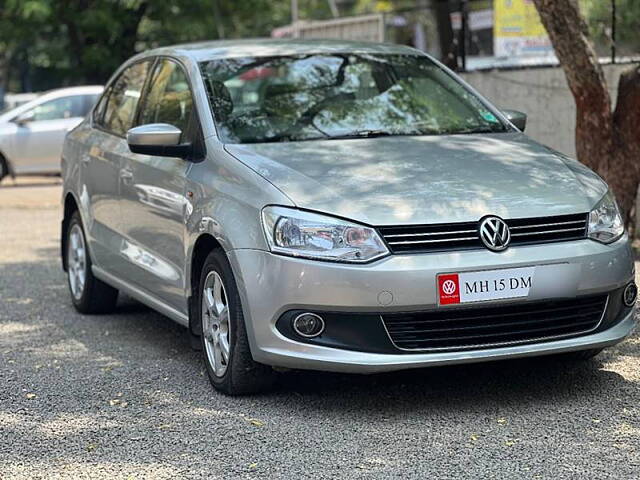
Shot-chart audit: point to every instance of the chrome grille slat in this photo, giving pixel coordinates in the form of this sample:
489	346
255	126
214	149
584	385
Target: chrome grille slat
429	234
547	224
547	231
431	241
464	236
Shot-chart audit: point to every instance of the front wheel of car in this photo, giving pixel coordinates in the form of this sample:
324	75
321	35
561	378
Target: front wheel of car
88	294
225	346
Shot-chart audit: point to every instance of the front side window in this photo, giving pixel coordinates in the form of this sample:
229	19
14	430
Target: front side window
169	99
305	97
123	99
60	108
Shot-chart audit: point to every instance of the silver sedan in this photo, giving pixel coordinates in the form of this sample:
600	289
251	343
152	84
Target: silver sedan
337	206
31	135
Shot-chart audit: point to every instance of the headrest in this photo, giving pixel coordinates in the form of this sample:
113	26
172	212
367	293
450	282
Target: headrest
221	101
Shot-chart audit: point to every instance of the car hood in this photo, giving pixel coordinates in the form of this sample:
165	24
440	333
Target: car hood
425	179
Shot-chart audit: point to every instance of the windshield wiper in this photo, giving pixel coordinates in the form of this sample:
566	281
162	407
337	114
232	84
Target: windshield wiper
472	130
371	133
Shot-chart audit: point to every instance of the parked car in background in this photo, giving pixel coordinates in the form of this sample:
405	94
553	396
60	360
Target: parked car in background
13	100
339	206
31	135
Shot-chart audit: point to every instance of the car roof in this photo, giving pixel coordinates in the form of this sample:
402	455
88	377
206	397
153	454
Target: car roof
82	90
266	47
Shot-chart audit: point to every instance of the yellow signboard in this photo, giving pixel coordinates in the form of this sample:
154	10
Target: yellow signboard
517	29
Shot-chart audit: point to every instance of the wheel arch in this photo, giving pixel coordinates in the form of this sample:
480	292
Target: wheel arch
205	244
70	206
5	161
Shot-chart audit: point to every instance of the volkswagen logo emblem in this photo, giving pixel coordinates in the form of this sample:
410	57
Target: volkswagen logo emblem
449	287
494	233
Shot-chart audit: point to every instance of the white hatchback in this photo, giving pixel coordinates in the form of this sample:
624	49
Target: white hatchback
31	135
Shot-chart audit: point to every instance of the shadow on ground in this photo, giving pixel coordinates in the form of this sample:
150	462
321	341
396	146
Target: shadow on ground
106	386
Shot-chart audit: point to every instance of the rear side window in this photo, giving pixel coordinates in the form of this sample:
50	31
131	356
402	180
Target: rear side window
123	99
169	99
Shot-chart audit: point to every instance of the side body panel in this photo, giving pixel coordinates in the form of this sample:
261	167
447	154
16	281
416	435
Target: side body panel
36	146
153	208
100	169
227	201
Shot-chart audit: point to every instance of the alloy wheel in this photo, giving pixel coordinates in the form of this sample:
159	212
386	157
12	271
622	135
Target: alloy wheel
76	261
215	323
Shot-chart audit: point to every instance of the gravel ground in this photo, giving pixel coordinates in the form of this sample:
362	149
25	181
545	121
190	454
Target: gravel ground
123	396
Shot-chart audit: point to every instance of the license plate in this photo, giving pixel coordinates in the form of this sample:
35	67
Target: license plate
467	287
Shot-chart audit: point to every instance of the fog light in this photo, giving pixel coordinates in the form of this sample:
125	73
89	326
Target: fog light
630	294
308	325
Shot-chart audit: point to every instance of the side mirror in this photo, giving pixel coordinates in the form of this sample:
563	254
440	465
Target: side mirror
25	118
519	119
158	139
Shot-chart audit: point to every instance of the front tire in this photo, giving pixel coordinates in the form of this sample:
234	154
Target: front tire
225	346
88	294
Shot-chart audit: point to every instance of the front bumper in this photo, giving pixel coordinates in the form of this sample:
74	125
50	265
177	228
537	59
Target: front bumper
271	285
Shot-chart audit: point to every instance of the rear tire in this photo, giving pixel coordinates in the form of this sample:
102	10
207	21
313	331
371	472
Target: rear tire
4	168
88	294
225	345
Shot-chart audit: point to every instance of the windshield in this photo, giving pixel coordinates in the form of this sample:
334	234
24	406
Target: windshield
307	97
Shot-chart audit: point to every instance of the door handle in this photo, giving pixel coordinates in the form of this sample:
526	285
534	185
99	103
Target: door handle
126	175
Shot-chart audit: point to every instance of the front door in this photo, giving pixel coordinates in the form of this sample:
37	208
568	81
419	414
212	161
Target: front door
153	198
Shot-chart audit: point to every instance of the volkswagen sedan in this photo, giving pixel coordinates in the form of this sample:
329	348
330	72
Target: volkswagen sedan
338	206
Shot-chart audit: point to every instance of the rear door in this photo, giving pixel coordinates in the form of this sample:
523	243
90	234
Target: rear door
37	144
153	192
105	148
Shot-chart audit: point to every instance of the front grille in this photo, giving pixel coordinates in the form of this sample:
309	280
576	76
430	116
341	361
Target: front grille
461	236
487	326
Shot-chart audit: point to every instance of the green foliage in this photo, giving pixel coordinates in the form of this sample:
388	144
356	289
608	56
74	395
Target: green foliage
598	15
50	43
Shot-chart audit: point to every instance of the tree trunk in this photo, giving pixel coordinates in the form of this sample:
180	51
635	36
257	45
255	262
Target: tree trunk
448	54
606	141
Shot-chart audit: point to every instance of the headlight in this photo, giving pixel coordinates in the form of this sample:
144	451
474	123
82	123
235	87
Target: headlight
605	221
311	235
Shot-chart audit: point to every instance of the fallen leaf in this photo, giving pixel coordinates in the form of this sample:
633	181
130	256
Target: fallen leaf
502	421
256	422
114	402
31	396
509	443
253	465
91	447
474	437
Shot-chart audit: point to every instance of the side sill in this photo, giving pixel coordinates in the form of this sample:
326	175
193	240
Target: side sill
141	296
